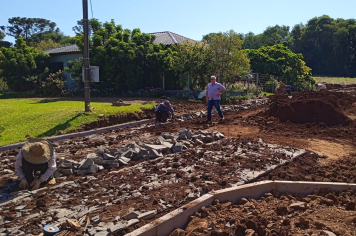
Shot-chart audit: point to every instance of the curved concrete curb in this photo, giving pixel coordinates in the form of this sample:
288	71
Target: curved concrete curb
179	218
82	134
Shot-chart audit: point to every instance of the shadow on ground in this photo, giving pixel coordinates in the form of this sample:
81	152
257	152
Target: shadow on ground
59	127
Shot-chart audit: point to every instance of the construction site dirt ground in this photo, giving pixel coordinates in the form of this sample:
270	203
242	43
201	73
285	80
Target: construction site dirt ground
321	123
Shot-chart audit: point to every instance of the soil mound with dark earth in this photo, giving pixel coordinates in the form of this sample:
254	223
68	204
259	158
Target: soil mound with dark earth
312	107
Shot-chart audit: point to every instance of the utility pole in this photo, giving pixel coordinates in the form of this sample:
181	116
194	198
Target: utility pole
86	57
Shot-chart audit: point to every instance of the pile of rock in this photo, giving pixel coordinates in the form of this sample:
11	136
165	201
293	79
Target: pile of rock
228	108
116	157
120	103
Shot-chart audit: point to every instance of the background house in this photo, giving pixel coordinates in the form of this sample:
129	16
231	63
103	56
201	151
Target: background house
59	60
169	38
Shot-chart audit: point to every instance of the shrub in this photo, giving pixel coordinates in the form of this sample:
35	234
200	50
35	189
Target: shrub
53	84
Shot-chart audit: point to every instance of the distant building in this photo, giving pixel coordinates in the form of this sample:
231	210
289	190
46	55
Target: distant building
59	60
169	38
62	55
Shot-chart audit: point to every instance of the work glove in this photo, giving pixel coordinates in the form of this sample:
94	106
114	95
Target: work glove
23	184
36	184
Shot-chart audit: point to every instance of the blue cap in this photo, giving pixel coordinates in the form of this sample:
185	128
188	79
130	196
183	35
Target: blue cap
288	86
167	103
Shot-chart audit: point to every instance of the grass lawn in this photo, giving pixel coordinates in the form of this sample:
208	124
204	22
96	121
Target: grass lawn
43	118
335	80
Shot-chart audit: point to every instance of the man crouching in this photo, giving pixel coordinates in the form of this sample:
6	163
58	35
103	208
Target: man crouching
164	111
36	156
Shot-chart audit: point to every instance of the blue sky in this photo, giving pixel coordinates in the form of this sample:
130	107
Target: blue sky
190	18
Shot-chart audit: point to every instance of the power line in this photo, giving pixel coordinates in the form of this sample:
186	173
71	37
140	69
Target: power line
91	7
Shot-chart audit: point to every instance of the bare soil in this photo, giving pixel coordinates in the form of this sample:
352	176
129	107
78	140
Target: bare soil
274	214
331	156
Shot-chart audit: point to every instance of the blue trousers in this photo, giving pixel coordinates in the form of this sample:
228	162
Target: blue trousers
216	104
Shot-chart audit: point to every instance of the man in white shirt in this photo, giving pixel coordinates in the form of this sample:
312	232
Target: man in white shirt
213	97
36	155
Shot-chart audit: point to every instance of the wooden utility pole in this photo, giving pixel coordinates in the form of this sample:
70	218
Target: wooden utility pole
86	57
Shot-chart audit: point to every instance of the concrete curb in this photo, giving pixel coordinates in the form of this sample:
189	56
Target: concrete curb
82	134
179	218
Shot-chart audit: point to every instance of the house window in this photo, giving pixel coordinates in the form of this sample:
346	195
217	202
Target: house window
55	67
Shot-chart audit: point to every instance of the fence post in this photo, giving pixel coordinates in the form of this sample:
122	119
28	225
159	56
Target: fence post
256	84
188	81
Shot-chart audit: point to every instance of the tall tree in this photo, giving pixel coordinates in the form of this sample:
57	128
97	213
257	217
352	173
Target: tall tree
195	59
94	25
54	36
271	36
230	61
19	63
25	27
2	35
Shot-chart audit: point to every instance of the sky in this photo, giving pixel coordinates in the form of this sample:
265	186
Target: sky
189	18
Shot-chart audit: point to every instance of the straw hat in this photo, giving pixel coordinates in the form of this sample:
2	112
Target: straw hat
37	151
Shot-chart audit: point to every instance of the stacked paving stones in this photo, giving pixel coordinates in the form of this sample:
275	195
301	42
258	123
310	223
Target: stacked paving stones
228	108
116	157
163	183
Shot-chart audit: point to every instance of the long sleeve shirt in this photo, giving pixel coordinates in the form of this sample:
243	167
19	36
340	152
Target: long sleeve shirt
163	108
52	167
213	91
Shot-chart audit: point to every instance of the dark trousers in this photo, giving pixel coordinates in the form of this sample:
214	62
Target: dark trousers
30	169
216	104
161	116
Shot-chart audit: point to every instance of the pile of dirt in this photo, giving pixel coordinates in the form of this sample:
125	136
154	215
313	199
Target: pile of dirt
322	213
308	168
116	119
312	107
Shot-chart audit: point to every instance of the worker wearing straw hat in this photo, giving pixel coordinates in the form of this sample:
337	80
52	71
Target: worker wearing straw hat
36	156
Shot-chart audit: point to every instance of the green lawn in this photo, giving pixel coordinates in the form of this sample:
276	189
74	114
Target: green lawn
335	80
43	118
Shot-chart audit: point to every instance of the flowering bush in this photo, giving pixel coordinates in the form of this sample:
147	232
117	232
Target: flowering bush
53	84
95	92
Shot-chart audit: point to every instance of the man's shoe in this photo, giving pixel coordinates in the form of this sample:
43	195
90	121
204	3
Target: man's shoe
52	181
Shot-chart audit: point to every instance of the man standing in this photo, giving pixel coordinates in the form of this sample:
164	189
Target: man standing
36	156
213	97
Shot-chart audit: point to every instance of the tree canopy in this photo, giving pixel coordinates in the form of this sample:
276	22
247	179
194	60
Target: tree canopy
229	60
25	27
281	62
20	64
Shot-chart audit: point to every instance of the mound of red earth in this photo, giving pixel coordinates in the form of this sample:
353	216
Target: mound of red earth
322	213
312	107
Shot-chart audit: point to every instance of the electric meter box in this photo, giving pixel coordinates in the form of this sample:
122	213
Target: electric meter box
94	74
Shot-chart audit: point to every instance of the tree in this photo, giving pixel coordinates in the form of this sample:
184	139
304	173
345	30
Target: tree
328	45
208	37
46	44
25	27
271	36
2	35
193	59
128	60
5	44
281	62
20	65
53	36
94	25
230	61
